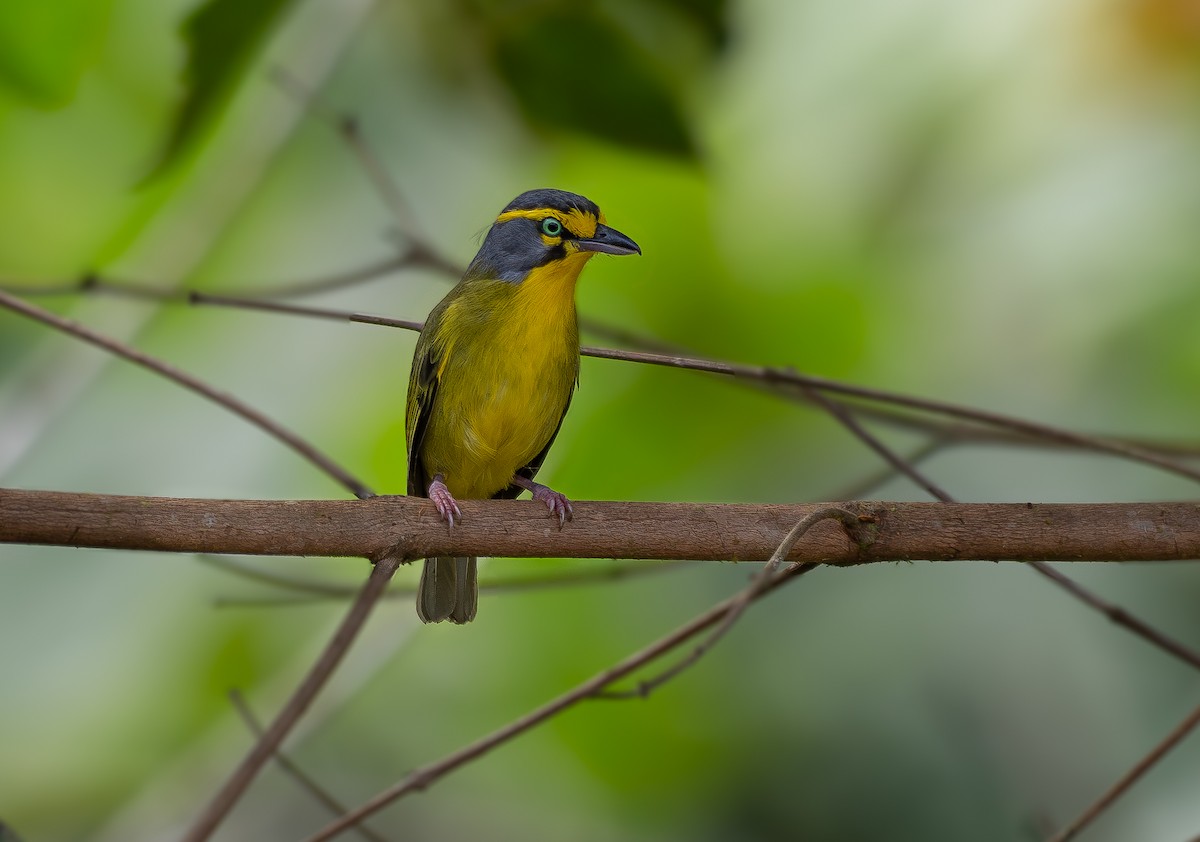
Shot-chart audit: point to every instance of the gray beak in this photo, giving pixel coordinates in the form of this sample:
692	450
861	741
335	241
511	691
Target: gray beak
609	241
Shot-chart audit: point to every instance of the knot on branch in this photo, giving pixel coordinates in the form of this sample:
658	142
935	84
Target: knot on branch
861	521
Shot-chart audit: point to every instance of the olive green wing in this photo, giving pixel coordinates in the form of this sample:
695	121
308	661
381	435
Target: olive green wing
422	390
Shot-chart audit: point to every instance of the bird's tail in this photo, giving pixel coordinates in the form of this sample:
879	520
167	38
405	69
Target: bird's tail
449	590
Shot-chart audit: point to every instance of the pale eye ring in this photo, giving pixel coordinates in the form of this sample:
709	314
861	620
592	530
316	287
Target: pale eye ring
551	227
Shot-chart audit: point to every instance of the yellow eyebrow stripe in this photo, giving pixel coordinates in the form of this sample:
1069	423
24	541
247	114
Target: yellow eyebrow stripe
576	221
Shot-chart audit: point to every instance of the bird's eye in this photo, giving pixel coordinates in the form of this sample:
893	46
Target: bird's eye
551	227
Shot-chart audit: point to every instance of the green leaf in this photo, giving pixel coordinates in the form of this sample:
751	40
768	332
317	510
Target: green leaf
46	46
224	37
575	70
709	15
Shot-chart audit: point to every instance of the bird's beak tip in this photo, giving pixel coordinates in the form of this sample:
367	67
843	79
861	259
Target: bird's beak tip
609	241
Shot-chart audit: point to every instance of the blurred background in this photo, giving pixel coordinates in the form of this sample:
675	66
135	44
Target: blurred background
994	203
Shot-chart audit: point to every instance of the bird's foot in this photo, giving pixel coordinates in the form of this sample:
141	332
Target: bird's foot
558	504
446	505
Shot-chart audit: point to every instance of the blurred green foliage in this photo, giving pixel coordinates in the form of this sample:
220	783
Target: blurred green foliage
993	203
575	69
223	38
45	47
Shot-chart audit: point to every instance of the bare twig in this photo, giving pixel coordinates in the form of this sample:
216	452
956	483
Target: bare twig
204	298
1117	615
139	290
318	674
320	592
997	430
124	288
1114	613
803	382
994	419
426	776
93	283
182	378
865	486
1130	778
346	127
284	581
752	591
899	464
337	280
377	173
306	781
340	280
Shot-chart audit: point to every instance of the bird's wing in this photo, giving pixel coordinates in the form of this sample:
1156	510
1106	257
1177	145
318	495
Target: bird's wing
422	388
530	470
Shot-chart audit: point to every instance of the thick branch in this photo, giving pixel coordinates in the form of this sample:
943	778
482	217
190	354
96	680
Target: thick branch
410	528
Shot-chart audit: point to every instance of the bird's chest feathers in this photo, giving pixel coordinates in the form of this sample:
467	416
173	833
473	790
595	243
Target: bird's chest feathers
523	359
537	360
544	324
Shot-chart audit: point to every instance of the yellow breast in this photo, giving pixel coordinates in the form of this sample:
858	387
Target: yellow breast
509	366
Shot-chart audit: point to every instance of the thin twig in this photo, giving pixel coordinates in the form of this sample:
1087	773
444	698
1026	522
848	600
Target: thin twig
898	463
312	587
239	302
752	591
93	283
1119	615
182	378
993	419
346	127
426	776
377	173
768	374
1113	612
237	783
124	288
314	593
1130	778
306	781
864	487
978	431
328	283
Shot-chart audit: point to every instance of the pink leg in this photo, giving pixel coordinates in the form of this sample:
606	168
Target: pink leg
557	503
444	500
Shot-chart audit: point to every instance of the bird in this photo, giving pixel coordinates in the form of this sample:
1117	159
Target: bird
493	372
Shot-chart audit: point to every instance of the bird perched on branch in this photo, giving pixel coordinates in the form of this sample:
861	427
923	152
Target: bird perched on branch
493	373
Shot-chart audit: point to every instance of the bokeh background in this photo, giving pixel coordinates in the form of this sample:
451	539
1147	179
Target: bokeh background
994	203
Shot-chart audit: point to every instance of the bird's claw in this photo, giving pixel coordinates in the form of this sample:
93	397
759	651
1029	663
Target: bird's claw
447	506
557	503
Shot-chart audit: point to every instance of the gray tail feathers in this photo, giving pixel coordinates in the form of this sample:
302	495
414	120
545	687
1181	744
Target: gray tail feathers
449	590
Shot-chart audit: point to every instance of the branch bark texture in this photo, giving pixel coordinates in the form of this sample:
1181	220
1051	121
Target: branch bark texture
410	528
